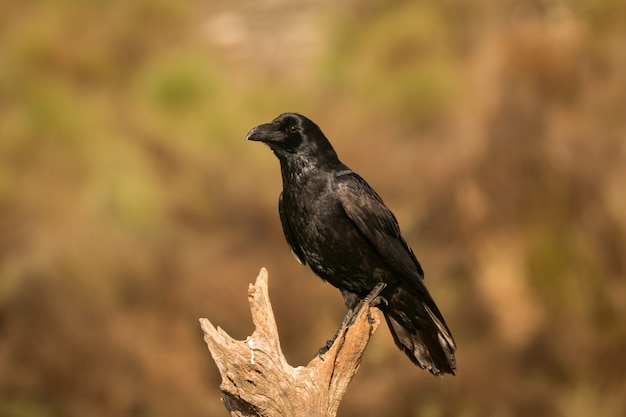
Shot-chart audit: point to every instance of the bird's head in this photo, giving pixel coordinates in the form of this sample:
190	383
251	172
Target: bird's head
292	135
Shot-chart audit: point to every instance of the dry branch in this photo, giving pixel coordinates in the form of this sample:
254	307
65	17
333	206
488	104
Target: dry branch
258	381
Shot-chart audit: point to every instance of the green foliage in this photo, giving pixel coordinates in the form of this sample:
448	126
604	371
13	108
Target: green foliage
398	60
15	409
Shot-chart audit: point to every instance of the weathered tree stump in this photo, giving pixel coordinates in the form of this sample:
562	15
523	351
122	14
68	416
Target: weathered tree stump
258	381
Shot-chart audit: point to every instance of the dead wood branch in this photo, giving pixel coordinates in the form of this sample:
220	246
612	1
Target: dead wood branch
258	381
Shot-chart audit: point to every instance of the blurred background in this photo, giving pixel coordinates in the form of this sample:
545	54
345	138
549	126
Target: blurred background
131	205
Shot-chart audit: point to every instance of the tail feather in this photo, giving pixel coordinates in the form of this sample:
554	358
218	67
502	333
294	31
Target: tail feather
419	333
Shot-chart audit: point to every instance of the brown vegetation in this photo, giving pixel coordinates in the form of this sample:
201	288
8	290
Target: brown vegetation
130	204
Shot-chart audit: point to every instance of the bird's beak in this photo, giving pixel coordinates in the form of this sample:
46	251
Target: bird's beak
262	133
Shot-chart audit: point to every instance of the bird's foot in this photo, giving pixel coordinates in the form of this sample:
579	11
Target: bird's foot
373	299
322	351
347	320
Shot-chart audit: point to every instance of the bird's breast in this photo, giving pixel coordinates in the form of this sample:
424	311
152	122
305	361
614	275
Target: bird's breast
331	243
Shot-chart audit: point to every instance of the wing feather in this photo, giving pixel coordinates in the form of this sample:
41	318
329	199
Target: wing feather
378	224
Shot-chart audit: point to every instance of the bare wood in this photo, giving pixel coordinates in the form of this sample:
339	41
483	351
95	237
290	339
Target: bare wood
258	381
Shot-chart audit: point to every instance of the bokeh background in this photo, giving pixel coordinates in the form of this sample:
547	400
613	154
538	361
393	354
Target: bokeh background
131	205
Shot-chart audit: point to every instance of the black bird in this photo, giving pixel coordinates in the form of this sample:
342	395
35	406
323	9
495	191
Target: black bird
338	225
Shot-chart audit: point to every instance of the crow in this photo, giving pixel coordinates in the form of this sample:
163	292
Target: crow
337	224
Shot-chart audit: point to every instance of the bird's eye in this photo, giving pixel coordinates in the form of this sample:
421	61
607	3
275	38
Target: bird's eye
293	128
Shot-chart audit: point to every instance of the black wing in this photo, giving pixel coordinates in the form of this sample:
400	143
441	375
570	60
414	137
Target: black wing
368	212
289	236
378	224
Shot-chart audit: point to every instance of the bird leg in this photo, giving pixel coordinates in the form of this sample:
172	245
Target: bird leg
373	299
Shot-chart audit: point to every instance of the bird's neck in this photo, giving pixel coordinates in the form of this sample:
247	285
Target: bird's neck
299	170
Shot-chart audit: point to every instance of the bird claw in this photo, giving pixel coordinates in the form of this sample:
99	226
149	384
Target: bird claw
373	299
322	351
